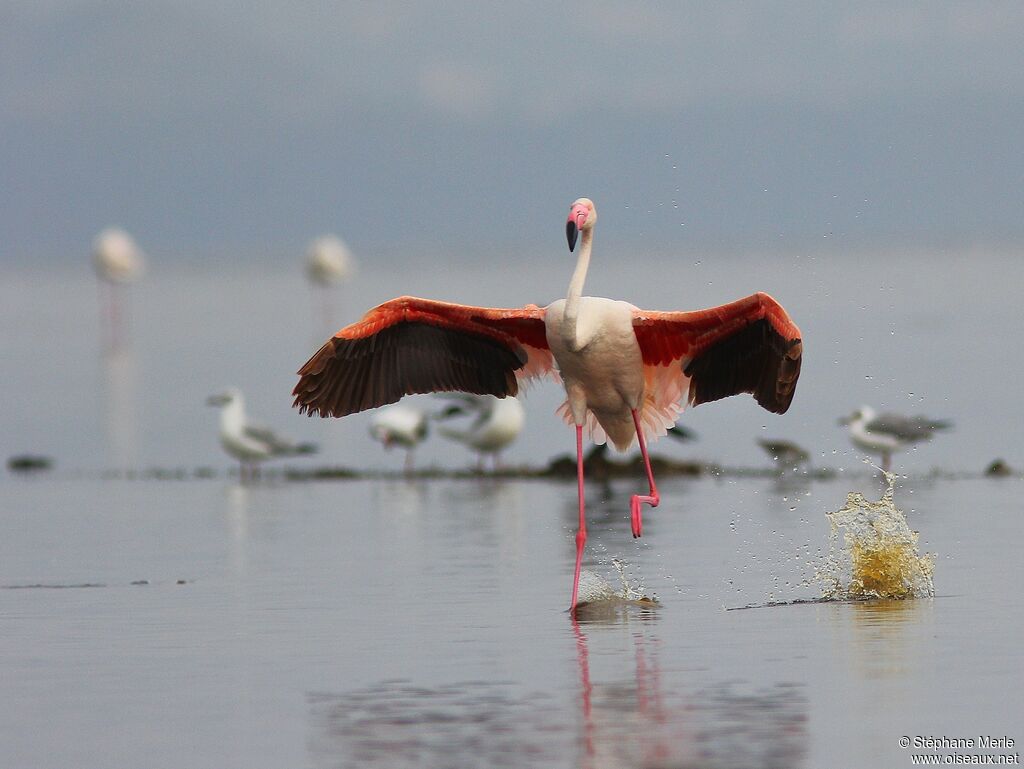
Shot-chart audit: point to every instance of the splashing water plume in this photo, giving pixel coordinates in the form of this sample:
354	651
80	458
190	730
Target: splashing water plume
594	587
879	556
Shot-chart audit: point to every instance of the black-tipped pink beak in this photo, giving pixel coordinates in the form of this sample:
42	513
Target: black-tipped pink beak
577	217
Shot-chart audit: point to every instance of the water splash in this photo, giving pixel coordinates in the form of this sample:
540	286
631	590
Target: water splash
594	587
878	557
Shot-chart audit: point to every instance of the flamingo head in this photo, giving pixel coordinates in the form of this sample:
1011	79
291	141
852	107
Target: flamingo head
582	216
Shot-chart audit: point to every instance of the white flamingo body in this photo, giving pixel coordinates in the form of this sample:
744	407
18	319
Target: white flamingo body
600	365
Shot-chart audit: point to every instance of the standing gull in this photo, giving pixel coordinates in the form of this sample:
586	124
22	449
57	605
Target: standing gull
496	423
626	371
249	443
886	433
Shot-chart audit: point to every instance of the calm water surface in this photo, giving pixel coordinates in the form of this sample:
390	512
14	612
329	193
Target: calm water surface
399	623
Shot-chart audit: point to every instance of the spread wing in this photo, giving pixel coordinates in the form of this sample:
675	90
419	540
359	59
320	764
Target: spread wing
410	345
746	346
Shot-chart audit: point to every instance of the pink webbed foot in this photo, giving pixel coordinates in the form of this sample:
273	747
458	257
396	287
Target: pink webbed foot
636	516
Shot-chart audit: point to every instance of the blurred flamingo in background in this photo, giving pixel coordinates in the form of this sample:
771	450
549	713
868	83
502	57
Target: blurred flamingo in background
626	371
118	261
328	263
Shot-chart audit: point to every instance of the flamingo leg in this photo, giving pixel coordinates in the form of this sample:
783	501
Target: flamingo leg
653	498
886	461
116	322
581	532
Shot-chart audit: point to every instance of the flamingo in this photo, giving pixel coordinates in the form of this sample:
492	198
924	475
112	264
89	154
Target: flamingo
497	423
625	370
118	261
400	426
886	433
329	261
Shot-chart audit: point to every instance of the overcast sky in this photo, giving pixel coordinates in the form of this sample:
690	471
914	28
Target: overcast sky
216	129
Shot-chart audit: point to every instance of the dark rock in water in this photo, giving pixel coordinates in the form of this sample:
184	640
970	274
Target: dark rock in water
561	466
998	469
598	467
662	466
141	582
28	463
321	474
182	582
